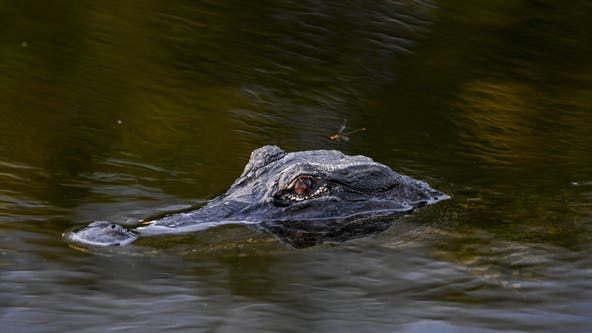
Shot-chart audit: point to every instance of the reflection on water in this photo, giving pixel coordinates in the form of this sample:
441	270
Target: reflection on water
123	110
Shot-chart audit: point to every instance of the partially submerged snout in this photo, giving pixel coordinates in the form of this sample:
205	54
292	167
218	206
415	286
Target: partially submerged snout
100	233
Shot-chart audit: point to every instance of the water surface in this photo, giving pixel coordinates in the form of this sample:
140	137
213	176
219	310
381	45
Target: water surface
117	111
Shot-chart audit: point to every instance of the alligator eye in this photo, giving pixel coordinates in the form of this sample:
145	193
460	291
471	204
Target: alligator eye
301	188
303	185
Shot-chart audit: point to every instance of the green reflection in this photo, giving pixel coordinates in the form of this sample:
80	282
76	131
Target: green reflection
150	102
117	110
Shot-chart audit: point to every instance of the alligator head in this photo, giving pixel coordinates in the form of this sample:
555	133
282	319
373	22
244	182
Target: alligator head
303	198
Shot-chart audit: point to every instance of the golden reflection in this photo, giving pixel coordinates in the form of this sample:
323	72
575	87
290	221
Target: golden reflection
508	123
498	114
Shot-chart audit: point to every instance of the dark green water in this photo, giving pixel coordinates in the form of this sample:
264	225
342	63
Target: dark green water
119	110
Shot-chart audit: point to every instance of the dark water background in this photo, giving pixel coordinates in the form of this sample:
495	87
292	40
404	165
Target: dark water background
118	110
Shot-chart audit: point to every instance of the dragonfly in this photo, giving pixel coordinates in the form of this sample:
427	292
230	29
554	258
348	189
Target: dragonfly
340	136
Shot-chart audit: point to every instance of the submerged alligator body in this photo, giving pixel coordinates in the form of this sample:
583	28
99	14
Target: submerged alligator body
303	198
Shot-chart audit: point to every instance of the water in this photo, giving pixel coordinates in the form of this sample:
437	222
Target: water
117	111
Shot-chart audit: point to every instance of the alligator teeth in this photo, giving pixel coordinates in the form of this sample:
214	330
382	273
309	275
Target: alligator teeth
294	197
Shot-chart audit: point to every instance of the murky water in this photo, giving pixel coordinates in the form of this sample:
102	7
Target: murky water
119	110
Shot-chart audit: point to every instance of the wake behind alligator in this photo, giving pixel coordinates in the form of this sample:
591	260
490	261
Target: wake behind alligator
302	198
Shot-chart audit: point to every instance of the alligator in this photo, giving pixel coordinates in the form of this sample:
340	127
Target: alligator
302	198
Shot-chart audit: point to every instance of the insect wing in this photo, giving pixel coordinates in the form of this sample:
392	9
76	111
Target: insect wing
342	128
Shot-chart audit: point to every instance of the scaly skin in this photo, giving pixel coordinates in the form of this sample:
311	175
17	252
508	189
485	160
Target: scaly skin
303	198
